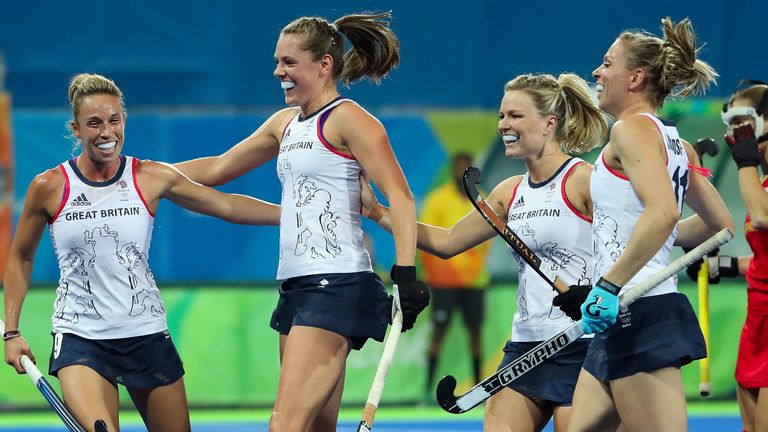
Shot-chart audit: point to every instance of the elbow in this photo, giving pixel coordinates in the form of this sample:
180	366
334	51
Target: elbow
667	219
444	254
732	226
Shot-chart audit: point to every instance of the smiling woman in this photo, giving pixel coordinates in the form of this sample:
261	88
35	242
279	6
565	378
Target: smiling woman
330	299
109	324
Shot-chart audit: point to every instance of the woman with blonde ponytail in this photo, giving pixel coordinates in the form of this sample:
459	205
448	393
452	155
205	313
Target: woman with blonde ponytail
631	373
541	120
330	301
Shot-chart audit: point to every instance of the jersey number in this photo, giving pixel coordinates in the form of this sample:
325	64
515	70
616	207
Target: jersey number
681	186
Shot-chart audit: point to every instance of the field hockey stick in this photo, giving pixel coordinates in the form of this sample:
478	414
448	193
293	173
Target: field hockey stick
703	279
545	350
48	392
374	395
472	176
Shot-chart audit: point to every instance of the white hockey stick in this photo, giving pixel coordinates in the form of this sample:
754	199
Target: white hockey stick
48	392
374	395
545	350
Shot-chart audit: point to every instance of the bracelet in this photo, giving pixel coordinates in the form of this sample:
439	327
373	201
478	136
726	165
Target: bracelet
608	286
377	213
11	335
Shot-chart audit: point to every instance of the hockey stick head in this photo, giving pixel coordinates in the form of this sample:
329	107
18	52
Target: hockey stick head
363	427
705	146
446	387
472	176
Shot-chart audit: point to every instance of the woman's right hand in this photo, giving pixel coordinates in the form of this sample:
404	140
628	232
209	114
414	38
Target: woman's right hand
367	197
14	349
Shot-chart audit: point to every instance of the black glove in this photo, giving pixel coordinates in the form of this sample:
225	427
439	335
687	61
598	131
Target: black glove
718	265
743	145
570	301
414	295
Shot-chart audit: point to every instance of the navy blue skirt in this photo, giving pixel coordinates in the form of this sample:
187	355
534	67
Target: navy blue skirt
353	305
136	362
654	333
552	381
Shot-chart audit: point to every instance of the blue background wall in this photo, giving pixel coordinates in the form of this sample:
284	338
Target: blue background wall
454	53
197	79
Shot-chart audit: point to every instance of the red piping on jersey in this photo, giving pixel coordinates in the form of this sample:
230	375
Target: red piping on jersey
565	197
64	196
666	153
136	185
320	123
285	128
514	192
611	170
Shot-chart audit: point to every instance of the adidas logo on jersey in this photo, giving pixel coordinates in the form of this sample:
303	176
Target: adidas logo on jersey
80	201
520	202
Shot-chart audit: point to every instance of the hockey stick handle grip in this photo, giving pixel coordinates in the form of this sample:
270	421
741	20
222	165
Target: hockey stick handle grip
676	266
32	370
559	286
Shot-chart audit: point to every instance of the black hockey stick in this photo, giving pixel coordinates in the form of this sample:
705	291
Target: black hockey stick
543	351
472	176
705	146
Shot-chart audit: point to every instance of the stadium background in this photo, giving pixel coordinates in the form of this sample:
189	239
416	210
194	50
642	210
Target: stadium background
197	78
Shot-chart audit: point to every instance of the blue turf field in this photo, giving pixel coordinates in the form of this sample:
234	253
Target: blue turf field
696	424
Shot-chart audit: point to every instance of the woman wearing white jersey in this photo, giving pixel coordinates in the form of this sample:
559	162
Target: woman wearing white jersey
540	119
109	322
330	299
640	181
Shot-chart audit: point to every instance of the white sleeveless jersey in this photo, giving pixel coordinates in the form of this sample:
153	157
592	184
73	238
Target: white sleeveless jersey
541	215
320	228
616	209
101	238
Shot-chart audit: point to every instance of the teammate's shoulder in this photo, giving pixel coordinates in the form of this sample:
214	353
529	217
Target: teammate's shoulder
48	180
631	127
502	193
508	184
287	113
350	108
581	167
155	168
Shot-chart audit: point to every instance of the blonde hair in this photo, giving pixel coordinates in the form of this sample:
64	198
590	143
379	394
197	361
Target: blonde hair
670	63
581	125
375	48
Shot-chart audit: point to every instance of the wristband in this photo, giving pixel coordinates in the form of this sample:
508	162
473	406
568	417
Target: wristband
728	265
403	273
11	335
608	286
